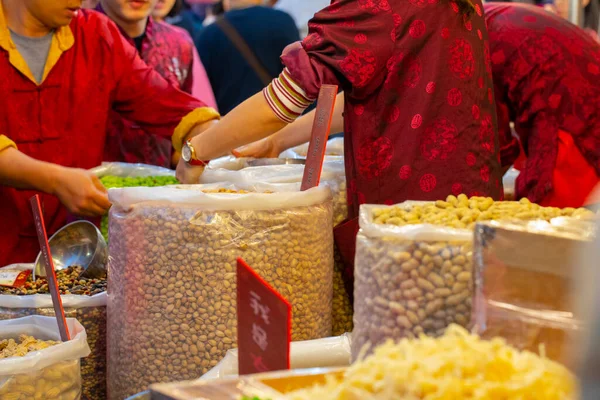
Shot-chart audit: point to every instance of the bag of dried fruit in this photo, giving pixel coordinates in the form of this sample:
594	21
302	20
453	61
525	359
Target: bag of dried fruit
85	302
34	364
334	176
414	264
172	306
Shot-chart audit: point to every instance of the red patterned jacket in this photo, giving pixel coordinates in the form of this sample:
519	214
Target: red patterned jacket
420	117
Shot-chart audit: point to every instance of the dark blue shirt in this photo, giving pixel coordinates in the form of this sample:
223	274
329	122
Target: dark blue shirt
266	31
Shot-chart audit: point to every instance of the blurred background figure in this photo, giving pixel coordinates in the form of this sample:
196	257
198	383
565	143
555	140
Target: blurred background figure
188	14
241	50
90	4
301	10
168	50
167	8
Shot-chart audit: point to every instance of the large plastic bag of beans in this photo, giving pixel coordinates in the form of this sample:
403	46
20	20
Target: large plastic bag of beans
409	280
414	263
333	175
321	353
51	373
172	282
89	311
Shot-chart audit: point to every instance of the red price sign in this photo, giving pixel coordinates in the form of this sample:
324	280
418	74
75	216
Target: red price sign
264	324
40	227
318	140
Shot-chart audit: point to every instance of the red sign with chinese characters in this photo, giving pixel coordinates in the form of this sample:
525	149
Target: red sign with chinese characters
264	324
318	140
40	227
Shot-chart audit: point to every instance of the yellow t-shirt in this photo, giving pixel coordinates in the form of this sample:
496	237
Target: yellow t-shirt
5	143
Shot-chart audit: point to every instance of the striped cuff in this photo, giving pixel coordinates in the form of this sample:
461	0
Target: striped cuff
287	100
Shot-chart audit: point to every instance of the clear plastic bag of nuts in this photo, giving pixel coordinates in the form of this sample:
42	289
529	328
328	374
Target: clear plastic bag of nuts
90	311
409	280
172	309
51	373
334	176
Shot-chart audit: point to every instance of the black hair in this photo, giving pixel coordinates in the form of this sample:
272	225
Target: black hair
218	8
177	8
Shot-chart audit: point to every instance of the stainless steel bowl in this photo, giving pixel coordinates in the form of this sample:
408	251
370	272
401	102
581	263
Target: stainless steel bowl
260	162
79	243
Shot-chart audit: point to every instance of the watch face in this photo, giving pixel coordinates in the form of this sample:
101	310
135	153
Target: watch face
186	153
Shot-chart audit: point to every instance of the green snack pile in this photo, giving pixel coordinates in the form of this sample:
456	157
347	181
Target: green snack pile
111	182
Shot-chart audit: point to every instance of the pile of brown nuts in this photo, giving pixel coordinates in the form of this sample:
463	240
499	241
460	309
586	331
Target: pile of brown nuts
172	306
93	319
68	280
410	287
57	381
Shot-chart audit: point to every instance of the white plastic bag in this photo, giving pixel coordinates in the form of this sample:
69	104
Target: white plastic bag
89	311
509	181
173	274
126	170
51	373
320	353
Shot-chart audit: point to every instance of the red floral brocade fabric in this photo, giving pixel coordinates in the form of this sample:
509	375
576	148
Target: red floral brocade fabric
547	77
169	51
420	119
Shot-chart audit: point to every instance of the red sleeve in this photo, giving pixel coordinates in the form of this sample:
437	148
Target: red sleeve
143	96
335	51
509	145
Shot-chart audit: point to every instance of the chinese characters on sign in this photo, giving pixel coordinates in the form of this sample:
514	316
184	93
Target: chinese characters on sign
264	324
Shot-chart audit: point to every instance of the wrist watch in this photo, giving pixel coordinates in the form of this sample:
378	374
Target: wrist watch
188	153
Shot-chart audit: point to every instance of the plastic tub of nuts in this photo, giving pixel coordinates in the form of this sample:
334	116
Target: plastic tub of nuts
413	270
172	309
34	364
334	177
84	300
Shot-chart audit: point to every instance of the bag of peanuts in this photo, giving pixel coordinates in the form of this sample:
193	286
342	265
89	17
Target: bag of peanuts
334	176
89	309
34	364
526	294
172	303
413	271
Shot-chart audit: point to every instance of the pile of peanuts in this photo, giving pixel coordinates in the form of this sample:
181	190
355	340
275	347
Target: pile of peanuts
411	287
172	303
26	344
463	213
342	306
61	381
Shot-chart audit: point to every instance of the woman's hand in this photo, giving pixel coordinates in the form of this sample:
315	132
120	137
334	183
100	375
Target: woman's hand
188	174
265	148
81	192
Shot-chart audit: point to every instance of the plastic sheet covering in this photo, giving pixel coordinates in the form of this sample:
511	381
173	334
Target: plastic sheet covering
335	148
524	284
172	278
126	170
46	374
321	353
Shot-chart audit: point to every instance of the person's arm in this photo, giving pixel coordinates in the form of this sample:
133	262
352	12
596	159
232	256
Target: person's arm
78	190
292	135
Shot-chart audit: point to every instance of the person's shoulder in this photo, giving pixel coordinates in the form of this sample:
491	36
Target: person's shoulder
91	25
